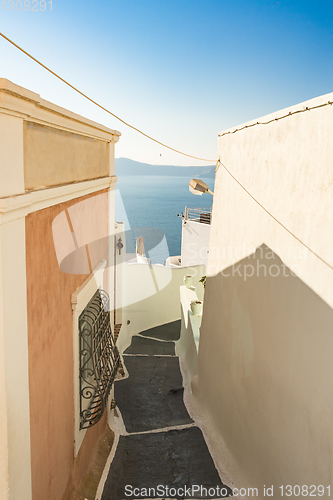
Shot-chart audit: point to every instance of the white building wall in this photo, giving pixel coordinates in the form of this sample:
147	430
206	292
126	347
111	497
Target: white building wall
151	296
120	255
195	243
266	346
187	345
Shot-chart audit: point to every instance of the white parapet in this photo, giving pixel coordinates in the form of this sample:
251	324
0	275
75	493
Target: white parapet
151	296
188	344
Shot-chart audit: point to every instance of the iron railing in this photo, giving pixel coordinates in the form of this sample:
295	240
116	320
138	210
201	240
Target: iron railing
203	215
99	359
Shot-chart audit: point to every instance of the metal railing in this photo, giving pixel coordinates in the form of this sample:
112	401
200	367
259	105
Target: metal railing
203	215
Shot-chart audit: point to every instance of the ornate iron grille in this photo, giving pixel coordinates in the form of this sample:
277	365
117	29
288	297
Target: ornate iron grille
99	359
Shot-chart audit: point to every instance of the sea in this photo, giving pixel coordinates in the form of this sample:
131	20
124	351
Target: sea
150	207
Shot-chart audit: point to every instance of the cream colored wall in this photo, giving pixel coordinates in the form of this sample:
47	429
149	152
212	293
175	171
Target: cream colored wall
11	155
265	357
59	146
3	403
14	345
53	156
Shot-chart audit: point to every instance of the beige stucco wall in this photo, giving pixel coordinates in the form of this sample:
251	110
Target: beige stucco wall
265	356
11	155
54	156
53	145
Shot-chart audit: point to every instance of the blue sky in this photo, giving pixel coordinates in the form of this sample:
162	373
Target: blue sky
181	71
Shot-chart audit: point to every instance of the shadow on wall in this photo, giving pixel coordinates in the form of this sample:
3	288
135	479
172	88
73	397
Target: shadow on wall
265	373
152	296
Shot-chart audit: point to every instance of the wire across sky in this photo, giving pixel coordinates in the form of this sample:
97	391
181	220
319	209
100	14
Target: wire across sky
179	71
305	21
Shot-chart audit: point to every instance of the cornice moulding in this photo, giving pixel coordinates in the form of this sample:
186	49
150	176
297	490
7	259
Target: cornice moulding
21	102
16	207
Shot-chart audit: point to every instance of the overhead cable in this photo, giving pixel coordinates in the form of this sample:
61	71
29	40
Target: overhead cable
271	215
291	113
99	105
190	156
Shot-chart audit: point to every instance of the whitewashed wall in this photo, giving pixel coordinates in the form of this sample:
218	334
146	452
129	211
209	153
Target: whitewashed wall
187	345
265	358
151	296
195	243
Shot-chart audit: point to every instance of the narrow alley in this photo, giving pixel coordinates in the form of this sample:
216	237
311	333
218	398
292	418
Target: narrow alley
162	453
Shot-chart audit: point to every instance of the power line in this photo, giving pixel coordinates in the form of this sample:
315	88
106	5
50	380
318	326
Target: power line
291	113
184	154
99	105
271	215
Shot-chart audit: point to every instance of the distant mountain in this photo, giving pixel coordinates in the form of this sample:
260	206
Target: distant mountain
125	166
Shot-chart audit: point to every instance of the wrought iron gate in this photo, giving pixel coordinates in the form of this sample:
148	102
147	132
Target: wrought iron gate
99	359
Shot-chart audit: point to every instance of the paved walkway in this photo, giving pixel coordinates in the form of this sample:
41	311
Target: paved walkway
163	453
